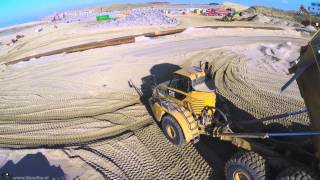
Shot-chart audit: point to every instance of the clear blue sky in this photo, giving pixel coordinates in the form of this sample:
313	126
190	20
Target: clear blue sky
20	11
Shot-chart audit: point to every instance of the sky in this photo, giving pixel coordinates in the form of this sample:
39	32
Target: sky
21	11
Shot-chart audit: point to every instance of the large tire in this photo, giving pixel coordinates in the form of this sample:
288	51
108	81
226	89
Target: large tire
296	173
246	166
172	130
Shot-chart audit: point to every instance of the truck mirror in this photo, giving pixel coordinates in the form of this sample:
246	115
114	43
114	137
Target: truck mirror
154	79
130	83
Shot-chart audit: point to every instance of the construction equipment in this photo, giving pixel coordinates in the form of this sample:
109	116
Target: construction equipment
304	12
217	12
183	111
307	18
197	12
103	18
307	74
186	108
209	12
230	16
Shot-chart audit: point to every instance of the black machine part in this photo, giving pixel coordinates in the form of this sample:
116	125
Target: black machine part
307	75
296	173
225	130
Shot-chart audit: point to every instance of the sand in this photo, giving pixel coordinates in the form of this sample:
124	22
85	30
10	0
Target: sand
237	7
71	167
81	103
69	34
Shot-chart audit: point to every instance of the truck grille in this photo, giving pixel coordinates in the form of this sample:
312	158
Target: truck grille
197	106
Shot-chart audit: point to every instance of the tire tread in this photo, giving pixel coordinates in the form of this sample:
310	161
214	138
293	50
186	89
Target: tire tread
296	173
248	160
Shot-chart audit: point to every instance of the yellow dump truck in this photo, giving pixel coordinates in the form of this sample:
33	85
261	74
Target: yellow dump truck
179	103
186	108
197	12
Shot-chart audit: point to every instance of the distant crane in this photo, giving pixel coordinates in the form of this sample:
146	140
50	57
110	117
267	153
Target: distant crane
304	11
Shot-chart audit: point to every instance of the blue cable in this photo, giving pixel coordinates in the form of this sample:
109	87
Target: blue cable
293	134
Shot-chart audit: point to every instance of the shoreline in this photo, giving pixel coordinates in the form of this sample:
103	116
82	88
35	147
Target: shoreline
20	27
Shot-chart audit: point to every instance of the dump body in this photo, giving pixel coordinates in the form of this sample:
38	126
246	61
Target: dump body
308	79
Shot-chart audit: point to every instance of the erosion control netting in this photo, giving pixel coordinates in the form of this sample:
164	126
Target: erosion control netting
37	121
145	154
256	91
112	132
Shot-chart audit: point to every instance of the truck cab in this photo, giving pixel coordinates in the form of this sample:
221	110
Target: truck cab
188	88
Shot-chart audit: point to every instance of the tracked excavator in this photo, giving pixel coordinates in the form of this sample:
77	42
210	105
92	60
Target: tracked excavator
231	16
304	12
307	18
186	108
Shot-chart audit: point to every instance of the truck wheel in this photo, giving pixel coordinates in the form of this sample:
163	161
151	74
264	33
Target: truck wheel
225	18
296	173
172	130
246	166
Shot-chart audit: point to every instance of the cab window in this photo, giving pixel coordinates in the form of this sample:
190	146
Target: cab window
181	83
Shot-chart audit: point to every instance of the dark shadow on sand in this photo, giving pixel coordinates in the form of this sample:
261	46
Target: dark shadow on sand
31	166
160	73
